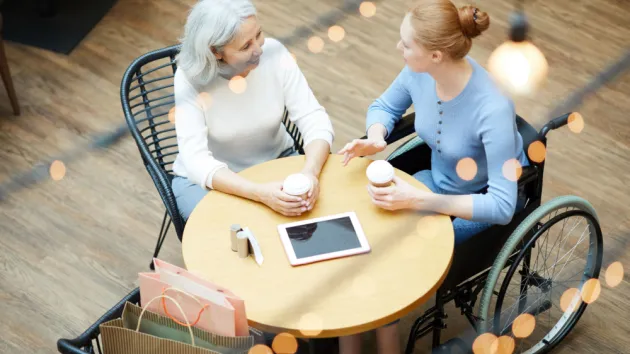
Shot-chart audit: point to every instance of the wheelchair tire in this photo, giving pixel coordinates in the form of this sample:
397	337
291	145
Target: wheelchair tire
526	239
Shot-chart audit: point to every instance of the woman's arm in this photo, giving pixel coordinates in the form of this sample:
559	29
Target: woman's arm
382	116
390	106
229	182
460	206
403	195
316	155
192	135
306	113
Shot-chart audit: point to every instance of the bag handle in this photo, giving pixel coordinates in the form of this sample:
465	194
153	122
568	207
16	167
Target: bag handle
192	337
203	307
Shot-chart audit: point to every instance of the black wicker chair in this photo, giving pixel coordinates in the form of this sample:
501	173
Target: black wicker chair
147	98
89	339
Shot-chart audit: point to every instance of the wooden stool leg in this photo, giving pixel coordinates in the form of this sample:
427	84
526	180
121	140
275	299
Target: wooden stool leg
6	78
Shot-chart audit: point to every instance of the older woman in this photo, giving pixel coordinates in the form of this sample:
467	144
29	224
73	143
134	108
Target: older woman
231	89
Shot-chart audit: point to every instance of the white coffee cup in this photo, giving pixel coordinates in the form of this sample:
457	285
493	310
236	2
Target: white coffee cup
297	185
380	173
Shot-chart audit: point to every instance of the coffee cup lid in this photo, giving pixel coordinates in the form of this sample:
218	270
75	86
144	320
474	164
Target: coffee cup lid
297	184
380	171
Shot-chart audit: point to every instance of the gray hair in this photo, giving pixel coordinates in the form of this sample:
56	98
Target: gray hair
210	24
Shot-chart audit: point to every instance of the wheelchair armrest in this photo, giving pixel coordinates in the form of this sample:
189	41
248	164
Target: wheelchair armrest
529	174
405	127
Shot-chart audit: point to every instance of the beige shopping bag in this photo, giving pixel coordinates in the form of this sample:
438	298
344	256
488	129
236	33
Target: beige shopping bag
140	331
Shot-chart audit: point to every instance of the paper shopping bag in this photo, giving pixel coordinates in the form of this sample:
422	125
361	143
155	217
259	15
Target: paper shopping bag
214	314
145	332
190	282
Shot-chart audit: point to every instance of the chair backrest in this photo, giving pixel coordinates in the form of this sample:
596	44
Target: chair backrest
148	100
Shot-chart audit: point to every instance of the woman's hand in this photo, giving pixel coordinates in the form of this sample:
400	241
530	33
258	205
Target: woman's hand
362	147
272	195
400	195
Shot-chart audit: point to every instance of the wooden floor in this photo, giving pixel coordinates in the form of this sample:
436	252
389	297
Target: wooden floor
70	249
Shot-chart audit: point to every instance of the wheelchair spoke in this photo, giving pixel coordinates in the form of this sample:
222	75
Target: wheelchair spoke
571	251
558	261
546	243
560	239
564	222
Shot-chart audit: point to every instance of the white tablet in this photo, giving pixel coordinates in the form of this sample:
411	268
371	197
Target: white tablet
323	238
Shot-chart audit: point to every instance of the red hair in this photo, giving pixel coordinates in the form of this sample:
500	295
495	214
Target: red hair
440	25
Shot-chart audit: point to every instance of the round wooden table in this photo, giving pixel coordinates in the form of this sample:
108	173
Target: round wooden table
411	254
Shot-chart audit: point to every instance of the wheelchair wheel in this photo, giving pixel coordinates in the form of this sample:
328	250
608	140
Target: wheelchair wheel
544	277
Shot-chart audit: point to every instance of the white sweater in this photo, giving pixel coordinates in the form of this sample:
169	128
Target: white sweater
219	128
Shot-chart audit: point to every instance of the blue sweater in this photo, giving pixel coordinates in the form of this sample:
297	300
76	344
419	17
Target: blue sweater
480	123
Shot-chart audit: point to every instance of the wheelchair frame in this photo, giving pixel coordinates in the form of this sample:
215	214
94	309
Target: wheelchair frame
464	282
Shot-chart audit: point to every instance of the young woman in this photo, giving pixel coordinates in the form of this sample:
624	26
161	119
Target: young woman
231	89
461	115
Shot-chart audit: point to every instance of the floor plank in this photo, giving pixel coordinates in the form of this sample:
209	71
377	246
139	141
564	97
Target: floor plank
70	249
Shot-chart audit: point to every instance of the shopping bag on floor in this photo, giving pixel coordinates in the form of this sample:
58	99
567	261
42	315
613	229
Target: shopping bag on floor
141	331
194	284
212	313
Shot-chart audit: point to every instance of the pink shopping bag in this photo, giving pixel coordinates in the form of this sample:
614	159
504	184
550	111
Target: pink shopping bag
215	314
192	283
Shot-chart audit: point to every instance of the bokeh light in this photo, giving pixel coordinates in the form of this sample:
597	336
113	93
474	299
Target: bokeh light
171	115
466	169
576	122
57	170
537	151
311	324
260	349
204	100
570	300
284	343
486	343
238	84
505	345
614	274
591	290
512	170
336	33
315	44
523	326
367	9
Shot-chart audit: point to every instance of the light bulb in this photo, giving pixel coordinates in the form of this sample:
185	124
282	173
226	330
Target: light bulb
519	67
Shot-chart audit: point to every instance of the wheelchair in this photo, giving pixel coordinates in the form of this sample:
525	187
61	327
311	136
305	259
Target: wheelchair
516	270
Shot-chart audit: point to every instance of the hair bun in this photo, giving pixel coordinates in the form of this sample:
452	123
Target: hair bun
473	21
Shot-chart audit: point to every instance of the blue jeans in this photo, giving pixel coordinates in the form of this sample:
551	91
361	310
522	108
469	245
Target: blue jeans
188	194
464	229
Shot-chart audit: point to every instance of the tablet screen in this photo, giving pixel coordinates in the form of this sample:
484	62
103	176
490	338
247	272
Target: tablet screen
323	237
